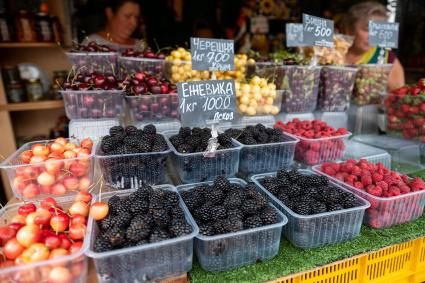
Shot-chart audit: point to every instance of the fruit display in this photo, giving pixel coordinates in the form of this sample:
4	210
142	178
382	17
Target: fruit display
264	149
132	61
237	225
129	157
257	97
178	67
53	167
93	57
406	111
394	198
336	86
313	204
150	98
147	235
332	56
242	63
318	141
45	242
370	84
93	96
191	159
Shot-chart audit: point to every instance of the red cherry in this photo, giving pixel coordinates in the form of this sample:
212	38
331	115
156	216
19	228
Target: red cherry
26	209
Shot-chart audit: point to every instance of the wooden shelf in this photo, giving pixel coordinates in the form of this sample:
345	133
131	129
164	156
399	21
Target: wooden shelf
25	106
29	45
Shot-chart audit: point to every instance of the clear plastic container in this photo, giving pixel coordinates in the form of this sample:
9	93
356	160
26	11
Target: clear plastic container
387	212
312	231
370	84
89	128
301	87
333	119
155	107
130	171
363	119
316	151
257	104
131	65
145	263
261	158
77	263
287	117
405	154
70	175
254	120
181	71
356	150
231	250
89	62
161	126
195	167
93	104
336	86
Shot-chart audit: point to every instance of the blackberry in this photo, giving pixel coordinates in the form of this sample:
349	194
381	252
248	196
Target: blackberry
260	127
203	213
274	188
193	141
206	229
101	244
329	195
149	129
234	133
232	224
262	138
218	212
177	213
312	193
249	207
348	200
191	203
177	141
235	213
318	207
219	227
224	139
137	230
248	141
253	222
221	183
116	237
215	195
161	217
156	200
334	207
180	228
123	219
251	190
184	132
232	201
142	242
131	141
139	206
260	201
144	146
144	192
107	144
185	148
283	197
294	175
302	208
283	183
116	130
106	223
158	235
130	130
269	216
294	191
159	145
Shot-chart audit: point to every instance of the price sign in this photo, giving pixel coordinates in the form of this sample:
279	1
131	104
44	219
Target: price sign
212	54
259	24
317	31
383	34
206	101
294	35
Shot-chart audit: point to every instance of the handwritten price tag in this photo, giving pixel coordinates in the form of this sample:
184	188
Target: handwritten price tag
383	34
294	35
317	31
212	54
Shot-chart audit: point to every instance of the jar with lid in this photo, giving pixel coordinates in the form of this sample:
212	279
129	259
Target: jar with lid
25	29
34	90
15	92
43	27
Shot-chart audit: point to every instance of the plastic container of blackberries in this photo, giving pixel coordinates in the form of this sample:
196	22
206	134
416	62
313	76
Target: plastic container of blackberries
195	167
316	151
93	104
149	262
76	263
231	250
89	62
261	158
124	171
336	86
356	150
300	85
69	175
311	231
153	107
130	65
386	212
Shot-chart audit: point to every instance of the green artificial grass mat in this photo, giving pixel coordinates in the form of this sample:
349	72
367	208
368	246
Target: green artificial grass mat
292	260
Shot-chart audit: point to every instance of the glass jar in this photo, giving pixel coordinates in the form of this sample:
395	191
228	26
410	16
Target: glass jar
10	74
25	30
34	90
15	93
43	27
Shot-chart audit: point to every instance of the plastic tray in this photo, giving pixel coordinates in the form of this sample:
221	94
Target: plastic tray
316	151
93	104
363	119
145	263
287	117
370	84
130	171
161	126
231	250
89	62
155	107
387	212
254	120
261	158
333	119
23	177
311	231
336	86
356	150
194	167
89	128
76	263
130	65
265	105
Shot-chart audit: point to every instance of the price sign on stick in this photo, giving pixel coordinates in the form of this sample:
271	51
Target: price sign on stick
294	35
383	34
206	101
317	31
212	54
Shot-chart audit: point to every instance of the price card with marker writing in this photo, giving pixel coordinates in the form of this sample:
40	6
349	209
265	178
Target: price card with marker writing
212	54
202	102
294	35
317	31
383	34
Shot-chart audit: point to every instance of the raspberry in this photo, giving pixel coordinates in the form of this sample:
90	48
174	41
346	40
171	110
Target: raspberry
363	165
351	179
312	157
340	176
336	166
417	184
351	161
394	191
366	180
315	146
405	179
356	171
404	189
377	177
373	202
383	185
359	185
390	180
366	172
373	190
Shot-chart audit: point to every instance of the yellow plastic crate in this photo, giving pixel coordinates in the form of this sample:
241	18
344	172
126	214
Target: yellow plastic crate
401	263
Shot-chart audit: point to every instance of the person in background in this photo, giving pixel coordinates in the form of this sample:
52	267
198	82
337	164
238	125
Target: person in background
356	24
122	20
